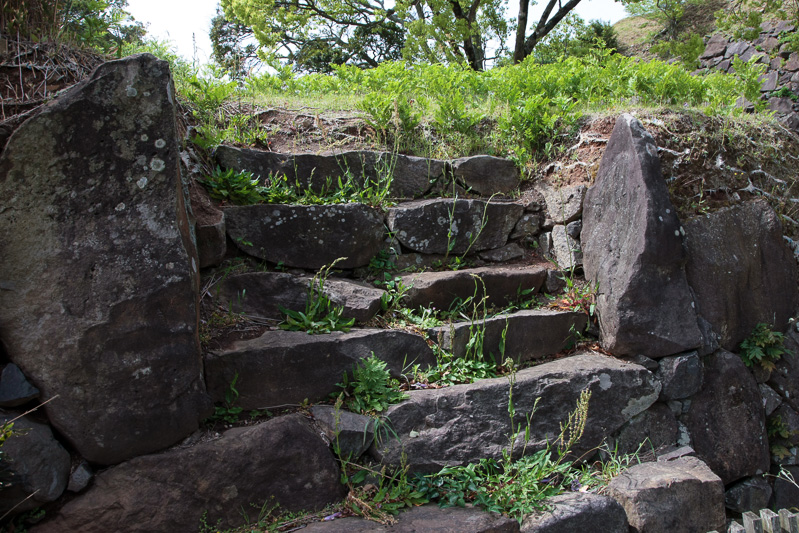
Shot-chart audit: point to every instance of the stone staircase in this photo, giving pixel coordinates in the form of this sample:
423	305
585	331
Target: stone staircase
98	317
281	367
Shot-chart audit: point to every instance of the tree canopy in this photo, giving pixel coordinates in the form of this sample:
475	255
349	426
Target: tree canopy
313	34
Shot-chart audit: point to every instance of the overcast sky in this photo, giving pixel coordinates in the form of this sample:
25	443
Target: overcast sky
186	22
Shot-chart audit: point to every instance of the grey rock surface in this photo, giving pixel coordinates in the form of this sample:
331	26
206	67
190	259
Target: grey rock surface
785	377
655	429
525	335
350	434
632	247
681	376
288	367
213	480
261	294
578	511
14	387
35	466
564	204
459	424
726	419
771	399
101	265
411	177
741	271
502	285
750	494
486	175
456	226
307	236
566	249
424	519
679	496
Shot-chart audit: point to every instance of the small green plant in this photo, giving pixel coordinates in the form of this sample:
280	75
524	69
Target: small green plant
321	315
763	346
240	188
576	296
371	389
785	92
228	412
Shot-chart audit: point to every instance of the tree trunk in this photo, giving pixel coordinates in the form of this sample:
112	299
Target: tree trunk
521	31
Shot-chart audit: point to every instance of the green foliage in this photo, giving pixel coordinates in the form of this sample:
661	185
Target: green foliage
530	106
321	315
687	49
240	188
572	37
342	190
784	92
228	412
515	487
763	346
313	35
371	389
742	18
102	25
576	296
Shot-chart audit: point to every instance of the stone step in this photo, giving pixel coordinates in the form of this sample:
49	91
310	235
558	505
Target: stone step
526	335
283	461
306	236
411	177
460	424
289	367
502	285
428	518
453	226
261	294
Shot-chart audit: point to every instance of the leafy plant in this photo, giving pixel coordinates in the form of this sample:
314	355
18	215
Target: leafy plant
515	487
371	389
240	188
228	412
321	315
576	296
763	346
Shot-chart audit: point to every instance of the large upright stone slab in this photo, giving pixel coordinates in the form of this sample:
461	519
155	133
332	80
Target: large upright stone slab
741	271
463	423
98	268
726	419
307	236
632	246
216	480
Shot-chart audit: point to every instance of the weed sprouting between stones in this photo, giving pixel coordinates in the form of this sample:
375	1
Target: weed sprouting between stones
321	315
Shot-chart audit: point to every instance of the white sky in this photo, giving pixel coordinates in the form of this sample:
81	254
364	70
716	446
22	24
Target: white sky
186	22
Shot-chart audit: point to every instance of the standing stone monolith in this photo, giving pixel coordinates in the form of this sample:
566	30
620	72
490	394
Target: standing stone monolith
98	267
632	247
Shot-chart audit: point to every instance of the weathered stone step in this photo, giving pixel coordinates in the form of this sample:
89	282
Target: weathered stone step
427	518
502	285
261	294
305	236
411	177
288	367
454	226
212	480
529	334
463	423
